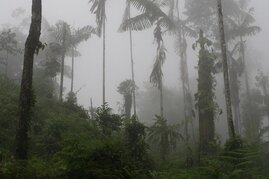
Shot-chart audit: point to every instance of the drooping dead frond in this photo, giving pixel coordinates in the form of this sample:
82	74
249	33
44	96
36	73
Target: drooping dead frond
157	74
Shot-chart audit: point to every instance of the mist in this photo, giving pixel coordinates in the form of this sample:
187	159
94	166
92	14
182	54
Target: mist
176	105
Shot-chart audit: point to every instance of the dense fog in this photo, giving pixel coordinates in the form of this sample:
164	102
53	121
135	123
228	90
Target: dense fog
193	100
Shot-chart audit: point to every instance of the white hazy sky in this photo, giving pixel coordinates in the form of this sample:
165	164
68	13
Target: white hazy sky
88	69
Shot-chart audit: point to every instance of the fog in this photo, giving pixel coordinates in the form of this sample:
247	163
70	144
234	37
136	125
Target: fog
88	67
201	112
88	73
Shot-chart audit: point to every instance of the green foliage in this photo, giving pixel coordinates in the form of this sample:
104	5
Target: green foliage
164	136
8	113
135	134
238	163
205	95
234	144
206	80
96	159
108	122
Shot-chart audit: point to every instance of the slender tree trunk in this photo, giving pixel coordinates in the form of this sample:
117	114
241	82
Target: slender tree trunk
62	63
160	85
26	101
132	62
91	110
225	72
235	96
72	76
104	62
236	119
161	98
128	105
6	69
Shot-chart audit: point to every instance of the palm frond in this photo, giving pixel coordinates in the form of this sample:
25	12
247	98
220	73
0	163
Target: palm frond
150	10
126	14
183	27
98	8
137	23
82	34
248	18
250	31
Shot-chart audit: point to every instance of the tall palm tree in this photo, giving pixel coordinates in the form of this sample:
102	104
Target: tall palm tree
62	34
68	40
126	16
242	27
156	76
26	100
65	31
151	13
225	71
99	9
77	36
183	30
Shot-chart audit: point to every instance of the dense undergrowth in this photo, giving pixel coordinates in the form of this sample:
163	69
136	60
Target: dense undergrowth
67	142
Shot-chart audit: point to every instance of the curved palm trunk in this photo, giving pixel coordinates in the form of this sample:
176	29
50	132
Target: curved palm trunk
225	72
235	94
62	64
26	94
132	62
72	76
104	63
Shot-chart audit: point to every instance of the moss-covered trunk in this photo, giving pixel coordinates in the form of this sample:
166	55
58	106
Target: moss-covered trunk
205	98
26	94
